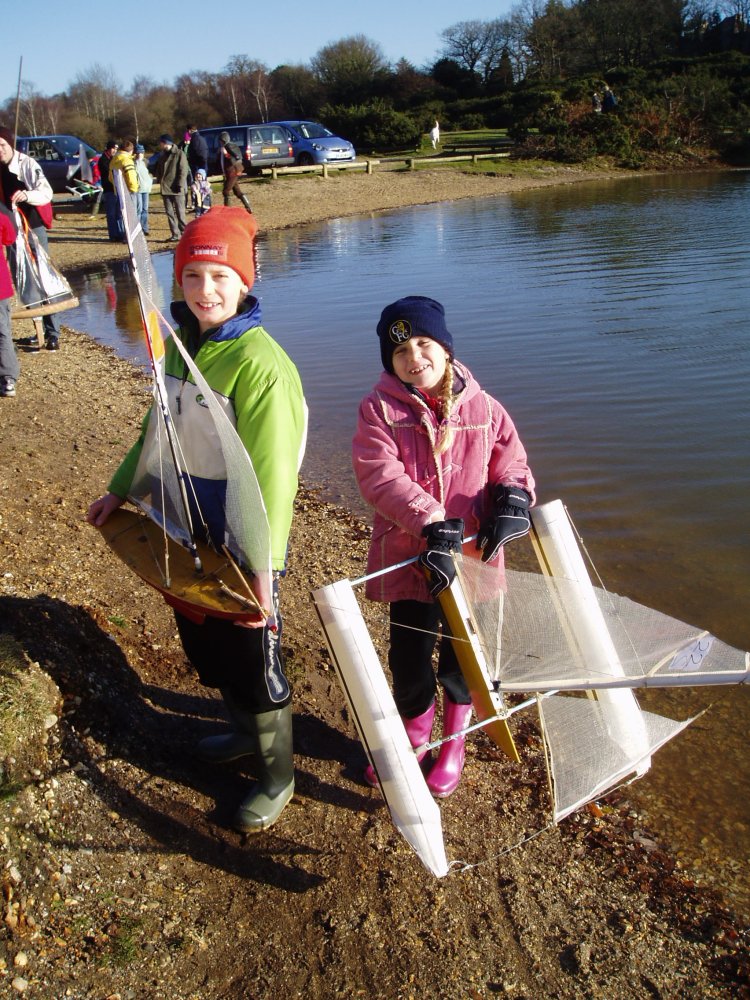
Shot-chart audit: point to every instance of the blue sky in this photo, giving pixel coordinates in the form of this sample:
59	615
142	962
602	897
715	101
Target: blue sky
58	41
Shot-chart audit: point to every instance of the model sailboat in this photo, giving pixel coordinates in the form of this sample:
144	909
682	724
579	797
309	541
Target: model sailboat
165	544
553	635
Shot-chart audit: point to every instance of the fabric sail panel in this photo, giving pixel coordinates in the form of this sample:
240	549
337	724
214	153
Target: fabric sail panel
541	649
585	760
412	808
156	483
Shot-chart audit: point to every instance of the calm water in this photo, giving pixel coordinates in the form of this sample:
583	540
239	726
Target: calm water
612	321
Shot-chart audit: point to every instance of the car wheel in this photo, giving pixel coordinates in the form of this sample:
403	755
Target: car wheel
305	160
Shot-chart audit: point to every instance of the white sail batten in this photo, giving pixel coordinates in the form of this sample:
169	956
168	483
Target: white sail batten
412	808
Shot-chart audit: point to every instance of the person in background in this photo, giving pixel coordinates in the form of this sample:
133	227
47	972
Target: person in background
109	198
609	101
24	187
9	367
145	183
435	456
220	324
172	171
197	151
232	168
435	134
123	161
201	191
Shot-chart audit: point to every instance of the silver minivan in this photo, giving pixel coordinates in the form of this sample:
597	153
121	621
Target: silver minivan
261	146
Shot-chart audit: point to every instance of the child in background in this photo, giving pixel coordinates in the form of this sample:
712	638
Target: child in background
201	190
220	324
436	457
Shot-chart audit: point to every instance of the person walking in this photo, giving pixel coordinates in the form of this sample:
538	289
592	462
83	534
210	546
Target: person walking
232	167
172	171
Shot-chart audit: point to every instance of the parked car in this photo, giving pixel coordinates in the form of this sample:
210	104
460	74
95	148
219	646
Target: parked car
58	156
313	143
267	145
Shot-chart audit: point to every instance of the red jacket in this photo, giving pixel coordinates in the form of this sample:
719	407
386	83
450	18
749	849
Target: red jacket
7	238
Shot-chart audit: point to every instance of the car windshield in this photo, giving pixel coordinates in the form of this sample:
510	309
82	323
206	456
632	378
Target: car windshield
68	146
312	131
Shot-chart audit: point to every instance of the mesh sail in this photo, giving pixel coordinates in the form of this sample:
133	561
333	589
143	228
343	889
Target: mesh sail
161	485
554	635
37	280
586	758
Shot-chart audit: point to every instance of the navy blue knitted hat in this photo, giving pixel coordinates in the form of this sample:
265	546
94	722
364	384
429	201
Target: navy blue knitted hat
409	317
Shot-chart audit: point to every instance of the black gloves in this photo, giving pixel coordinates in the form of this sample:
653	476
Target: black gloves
510	520
443	539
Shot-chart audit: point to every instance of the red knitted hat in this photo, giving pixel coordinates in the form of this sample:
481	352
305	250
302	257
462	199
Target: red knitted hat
221	236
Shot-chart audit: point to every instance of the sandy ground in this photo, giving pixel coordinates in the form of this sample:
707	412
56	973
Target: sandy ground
120	875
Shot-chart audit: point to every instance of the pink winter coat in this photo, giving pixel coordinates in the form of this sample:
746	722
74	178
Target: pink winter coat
401	475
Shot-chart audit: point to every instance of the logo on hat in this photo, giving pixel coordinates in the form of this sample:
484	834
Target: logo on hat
400	331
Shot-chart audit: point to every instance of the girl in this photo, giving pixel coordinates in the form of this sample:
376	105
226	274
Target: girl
434	455
220	324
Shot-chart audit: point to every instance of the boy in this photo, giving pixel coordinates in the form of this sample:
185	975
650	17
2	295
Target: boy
219	323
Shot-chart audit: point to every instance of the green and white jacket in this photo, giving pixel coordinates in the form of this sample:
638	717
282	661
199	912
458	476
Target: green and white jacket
259	388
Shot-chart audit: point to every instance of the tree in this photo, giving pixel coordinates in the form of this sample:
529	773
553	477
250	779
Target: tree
349	68
298	91
95	93
478	46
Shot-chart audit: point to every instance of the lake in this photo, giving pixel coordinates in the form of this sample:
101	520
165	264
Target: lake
611	319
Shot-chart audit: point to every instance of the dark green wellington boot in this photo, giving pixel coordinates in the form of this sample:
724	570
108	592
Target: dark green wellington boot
238	742
274	765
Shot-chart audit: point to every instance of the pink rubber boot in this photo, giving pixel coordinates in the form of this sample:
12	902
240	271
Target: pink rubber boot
445	775
419	731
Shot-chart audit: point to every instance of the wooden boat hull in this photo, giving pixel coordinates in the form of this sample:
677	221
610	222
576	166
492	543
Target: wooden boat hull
139	543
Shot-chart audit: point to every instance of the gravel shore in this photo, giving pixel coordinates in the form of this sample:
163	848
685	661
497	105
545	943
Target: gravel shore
120	875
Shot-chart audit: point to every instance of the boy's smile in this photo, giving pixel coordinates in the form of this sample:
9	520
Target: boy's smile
212	292
420	362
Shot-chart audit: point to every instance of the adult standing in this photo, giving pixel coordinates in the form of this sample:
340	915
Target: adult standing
172	171
111	208
145	183
124	162
197	151
232	168
23	186
609	101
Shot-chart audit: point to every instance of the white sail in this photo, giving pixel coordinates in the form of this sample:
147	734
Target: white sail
157	486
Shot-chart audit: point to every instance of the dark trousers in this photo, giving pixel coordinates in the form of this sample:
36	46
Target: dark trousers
232	185
414	627
246	661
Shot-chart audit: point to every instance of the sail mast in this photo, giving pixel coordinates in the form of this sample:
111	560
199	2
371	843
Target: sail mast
155	346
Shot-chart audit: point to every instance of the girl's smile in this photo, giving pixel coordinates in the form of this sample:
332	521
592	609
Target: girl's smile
420	362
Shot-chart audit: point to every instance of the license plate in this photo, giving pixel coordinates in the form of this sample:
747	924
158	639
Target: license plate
270	149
